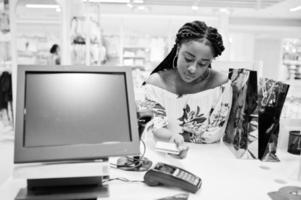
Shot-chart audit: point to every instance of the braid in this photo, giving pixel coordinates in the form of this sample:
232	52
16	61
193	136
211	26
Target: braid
190	31
216	41
196	30
199	30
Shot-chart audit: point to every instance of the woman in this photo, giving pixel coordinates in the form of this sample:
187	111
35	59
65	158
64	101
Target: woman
190	101
55	58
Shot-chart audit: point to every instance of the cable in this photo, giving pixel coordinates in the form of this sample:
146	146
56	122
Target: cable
136	163
141	156
122	179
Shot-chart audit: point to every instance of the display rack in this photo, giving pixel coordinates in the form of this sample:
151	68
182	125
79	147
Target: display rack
5	56
35	34
291	58
5	36
34	49
291	63
135	56
87	41
6	119
111	44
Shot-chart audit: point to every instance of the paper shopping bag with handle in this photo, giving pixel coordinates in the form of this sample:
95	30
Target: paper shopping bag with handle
271	97
253	125
241	133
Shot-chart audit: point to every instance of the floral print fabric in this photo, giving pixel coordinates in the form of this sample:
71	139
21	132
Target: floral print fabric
199	117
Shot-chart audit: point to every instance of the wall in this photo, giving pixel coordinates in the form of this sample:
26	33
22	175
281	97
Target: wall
241	46
268	50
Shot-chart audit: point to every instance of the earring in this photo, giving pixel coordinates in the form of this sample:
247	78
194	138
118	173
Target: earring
174	66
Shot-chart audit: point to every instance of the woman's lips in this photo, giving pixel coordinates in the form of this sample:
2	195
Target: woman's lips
189	76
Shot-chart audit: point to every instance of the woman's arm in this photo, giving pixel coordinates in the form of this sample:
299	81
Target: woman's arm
154	101
166	135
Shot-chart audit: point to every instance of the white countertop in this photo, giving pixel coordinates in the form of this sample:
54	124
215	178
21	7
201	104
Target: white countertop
223	176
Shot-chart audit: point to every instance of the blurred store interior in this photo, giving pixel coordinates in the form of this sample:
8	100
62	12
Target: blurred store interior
264	35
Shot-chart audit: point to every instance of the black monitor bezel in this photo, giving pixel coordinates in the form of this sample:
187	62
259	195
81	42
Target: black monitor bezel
24	154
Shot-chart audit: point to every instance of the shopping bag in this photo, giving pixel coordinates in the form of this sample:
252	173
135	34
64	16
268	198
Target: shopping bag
253	126
271	98
241	132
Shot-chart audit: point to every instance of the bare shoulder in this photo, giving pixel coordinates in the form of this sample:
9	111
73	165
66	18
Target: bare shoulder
157	79
218	78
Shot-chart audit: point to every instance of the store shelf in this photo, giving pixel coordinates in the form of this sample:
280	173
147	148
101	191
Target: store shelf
291	62
134	47
5	37
38	22
135	56
138	67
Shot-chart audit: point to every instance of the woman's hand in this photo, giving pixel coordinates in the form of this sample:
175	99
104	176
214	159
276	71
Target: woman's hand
179	140
183	150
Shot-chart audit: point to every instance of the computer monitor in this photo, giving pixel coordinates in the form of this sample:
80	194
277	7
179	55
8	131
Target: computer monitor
74	113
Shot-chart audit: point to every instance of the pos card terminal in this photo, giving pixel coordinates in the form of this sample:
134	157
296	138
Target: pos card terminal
164	174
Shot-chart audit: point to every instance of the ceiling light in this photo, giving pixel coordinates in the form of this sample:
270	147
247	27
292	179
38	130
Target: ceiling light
141	7
224	10
108	1
130	5
295	9
138	1
42	6
194	7
230	40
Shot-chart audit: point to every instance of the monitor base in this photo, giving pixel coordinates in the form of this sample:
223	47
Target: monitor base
135	163
64	188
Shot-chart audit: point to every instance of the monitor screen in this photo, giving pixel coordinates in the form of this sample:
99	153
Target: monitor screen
71	113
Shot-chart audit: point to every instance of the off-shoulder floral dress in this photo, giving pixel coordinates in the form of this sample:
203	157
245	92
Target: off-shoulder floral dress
200	117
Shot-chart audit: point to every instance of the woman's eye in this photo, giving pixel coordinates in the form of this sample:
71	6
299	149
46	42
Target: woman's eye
188	59
202	64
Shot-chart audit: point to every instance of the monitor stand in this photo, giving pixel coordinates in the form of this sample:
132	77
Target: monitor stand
89	184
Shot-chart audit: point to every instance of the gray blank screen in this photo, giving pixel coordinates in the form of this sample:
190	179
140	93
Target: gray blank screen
75	108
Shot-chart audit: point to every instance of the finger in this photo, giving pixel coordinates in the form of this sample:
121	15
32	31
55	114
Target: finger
181	140
177	143
183	153
182	147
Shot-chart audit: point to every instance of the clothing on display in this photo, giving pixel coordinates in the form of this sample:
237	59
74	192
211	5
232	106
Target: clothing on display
6	97
78	55
77	32
4	22
5	89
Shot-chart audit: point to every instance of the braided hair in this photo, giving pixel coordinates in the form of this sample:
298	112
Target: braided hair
190	31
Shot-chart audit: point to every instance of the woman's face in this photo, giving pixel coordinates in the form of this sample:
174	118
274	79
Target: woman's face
194	58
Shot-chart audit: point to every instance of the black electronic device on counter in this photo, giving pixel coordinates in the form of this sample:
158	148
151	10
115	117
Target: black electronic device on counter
164	174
